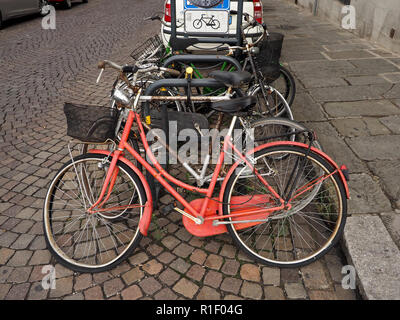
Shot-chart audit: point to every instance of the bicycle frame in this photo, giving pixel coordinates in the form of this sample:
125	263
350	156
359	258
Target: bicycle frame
198	216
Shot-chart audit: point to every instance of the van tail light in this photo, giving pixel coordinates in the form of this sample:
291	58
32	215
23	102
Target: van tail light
258	11
167	12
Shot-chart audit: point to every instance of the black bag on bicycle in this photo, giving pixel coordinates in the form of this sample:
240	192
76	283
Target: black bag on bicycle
268	58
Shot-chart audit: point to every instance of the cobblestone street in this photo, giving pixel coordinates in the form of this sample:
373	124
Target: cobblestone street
348	91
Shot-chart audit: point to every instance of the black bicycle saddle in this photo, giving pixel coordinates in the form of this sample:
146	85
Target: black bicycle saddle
235	105
231	79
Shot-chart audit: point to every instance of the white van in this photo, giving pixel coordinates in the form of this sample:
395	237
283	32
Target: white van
204	20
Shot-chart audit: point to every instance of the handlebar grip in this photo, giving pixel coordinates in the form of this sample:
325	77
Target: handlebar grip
101	65
129	69
233	12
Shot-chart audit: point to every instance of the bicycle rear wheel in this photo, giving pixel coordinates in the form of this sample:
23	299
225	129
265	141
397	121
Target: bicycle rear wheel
290	237
286	85
92	242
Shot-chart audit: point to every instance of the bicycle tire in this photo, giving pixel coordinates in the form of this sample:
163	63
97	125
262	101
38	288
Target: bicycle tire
48	212
274	262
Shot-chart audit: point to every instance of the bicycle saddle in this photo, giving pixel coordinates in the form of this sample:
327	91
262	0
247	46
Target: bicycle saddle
234	105
231	79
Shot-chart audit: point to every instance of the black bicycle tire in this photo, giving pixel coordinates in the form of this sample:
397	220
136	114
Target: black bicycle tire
132	246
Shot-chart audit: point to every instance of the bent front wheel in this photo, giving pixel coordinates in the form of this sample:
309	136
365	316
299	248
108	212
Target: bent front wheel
92	242
288	237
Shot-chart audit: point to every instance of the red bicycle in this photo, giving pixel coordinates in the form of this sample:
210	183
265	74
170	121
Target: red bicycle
284	203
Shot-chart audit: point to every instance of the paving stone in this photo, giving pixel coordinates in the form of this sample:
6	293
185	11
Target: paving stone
165	294
230	267
37	292
351	54
231	285
213	262
373	66
273	293
5	255
213	279
361	108
314	276
150	285
4	288
250	272
138	258
170	242
75	296
18	292
23	241
112	287
154	249
133	275
334	266
20	275
152	267
228	251
169	276
392	122
366	196
196	272
207	293
180	265
94	293
183	250
344	294
323	82
40	257
306	109
351	93
375	147
251	290
186	288
365	80
212	246
321	295
62	272
360	127
198	256
295	291
376	264
63	287
166	257
392	77
20	258
391	221
335	147
271	276
7	238
83	281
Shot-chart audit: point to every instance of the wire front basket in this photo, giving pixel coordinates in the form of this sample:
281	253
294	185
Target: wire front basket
95	124
270	53
151	50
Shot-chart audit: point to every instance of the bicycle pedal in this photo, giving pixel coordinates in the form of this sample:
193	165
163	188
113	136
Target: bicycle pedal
167	209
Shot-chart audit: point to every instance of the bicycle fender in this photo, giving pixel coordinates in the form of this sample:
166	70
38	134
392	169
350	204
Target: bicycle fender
341	170
145	220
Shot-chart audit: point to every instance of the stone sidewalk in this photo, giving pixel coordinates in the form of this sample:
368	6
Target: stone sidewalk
349	92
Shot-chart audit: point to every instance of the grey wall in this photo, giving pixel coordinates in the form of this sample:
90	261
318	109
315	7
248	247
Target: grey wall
376	19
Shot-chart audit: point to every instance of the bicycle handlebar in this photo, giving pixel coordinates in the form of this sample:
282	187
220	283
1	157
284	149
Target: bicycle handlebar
134	69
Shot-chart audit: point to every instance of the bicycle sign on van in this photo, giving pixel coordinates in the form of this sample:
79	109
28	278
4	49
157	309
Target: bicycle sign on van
206	16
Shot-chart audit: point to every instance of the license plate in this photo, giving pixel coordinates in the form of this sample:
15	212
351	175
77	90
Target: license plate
210	21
